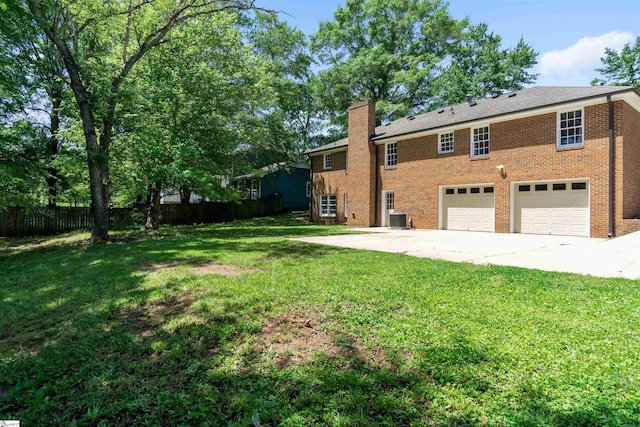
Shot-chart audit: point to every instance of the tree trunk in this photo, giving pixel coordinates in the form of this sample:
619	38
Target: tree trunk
153	209
185	195
54	146
97	155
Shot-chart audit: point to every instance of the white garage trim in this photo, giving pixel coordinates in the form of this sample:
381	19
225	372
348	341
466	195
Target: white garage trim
550	211
465	210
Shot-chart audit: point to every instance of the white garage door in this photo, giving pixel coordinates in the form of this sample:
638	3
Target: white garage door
560	208
469	208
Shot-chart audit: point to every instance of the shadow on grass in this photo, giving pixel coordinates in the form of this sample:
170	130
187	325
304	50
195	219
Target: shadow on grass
85	339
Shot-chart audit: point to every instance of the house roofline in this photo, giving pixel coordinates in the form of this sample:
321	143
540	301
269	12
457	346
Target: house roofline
382	139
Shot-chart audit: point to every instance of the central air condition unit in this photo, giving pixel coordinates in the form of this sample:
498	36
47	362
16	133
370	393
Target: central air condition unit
399	220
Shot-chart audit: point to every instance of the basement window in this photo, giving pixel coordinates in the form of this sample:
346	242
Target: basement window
328	205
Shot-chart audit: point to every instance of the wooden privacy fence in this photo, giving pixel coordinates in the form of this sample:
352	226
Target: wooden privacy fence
17	221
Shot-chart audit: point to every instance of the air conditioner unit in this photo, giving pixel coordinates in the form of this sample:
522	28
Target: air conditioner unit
399	220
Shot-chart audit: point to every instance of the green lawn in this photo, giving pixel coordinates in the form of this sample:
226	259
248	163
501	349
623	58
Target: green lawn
214	325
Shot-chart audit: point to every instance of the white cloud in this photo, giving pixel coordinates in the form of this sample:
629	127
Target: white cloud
583	55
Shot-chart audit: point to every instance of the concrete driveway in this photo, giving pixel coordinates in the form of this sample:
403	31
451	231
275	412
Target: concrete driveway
618	257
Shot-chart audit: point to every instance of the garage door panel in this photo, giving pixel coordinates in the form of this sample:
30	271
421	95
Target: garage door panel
469	211
561	212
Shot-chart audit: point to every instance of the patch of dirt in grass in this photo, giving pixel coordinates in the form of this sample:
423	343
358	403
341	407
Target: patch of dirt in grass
145	320
292	339
202	268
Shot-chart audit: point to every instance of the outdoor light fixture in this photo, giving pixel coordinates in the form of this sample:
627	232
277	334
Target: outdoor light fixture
500	168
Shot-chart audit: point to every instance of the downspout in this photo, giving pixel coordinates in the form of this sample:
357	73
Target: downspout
310	188
611	165
377	169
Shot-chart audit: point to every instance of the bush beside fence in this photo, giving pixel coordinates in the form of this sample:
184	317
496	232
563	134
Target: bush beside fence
18	221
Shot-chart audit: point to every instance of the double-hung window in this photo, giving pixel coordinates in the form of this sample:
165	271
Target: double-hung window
328	205
445	143
480	142
570	128
391	155
328	161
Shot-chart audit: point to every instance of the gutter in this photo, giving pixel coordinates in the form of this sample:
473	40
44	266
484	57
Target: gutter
612	159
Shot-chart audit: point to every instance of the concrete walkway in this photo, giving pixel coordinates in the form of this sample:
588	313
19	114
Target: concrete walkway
618	257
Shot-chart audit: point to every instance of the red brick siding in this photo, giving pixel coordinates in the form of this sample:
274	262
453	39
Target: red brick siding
631	173
527	149
361	177
630	226
330	181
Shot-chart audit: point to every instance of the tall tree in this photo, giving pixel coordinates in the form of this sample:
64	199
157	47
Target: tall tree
32	85
620	68
293	121
189	108
410	56
479	66
385	50
100	43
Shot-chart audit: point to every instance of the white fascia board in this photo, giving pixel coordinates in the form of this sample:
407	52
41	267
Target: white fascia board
331	151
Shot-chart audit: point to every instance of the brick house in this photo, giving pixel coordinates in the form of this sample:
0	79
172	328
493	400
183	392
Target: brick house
543	160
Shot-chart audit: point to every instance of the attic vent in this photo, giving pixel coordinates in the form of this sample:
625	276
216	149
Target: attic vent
473	104
440	111
410	117
511	95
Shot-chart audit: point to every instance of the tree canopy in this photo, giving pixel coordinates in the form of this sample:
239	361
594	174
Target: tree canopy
410	56
620	68
159	95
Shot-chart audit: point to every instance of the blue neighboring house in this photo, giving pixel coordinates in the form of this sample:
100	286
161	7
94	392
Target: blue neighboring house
292	183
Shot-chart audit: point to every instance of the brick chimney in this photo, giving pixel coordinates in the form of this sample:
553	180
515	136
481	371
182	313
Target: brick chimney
361	164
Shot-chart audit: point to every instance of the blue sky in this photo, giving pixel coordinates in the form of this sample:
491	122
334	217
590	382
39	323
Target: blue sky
569	35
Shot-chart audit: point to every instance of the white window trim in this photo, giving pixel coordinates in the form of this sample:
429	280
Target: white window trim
472	142
324	161
387	165
453	142
558	113
327	196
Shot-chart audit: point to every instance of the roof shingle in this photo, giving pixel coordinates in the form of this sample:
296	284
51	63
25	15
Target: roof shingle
519	101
